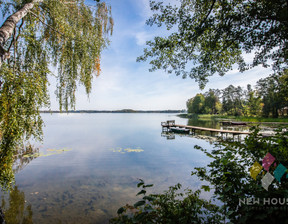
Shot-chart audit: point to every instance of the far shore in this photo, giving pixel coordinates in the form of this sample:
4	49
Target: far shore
280	120
113	111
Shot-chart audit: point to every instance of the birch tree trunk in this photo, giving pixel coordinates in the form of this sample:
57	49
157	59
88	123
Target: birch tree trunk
7	29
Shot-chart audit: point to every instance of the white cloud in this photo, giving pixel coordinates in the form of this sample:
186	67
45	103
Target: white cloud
237	78
142	37
144	7
123	83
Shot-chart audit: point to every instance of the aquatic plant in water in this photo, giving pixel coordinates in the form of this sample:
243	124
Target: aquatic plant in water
127	150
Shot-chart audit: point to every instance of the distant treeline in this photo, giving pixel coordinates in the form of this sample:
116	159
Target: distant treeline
269	98
114	111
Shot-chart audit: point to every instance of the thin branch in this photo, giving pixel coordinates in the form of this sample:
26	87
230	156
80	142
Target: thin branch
19	29
14	35
47	24
211	8
14	42
203	21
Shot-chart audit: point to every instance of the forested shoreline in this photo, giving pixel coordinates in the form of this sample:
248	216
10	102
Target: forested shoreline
267	99
113	111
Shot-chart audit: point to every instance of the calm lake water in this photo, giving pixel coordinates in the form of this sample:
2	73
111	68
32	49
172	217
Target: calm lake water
90	165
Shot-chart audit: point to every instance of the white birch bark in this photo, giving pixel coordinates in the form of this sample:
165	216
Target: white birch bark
7	29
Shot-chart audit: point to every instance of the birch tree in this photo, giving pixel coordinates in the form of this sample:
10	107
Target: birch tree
35	36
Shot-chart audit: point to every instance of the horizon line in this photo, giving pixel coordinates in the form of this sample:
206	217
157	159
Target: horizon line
114	111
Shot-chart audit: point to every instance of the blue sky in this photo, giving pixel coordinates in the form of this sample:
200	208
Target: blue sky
125	83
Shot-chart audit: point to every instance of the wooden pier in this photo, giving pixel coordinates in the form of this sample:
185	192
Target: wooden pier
171	123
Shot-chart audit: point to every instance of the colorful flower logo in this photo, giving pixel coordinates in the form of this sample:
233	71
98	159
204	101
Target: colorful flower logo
268	178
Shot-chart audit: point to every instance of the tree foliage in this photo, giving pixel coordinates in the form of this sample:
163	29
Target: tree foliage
253	105
44	33
273	91
209	37
212	102
229	175
196	104
232	100
16	209
207	103
268	99
13	162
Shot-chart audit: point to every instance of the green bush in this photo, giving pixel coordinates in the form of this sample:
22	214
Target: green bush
170	207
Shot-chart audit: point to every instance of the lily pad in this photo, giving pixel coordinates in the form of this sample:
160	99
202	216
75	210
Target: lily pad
133	150
126	150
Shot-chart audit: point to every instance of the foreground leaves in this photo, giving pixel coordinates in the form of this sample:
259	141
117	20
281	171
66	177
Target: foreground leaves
228	177
172	206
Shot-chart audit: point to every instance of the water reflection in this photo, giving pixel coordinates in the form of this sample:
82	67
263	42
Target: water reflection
23	157
13	162
14	206
207	123
266	129
212	122
172	136
216	124
85	199
16	209
107	154
169	132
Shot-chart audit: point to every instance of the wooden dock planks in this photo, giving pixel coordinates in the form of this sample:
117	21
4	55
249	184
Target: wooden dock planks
169	124
213	130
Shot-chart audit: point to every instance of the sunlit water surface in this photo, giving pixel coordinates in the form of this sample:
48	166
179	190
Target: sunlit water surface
103	157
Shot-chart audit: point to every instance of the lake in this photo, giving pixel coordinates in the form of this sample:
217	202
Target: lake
89	166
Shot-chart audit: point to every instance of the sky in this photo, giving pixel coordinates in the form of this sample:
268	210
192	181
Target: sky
127	84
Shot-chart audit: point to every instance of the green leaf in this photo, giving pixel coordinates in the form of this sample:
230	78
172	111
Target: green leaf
148	185
205	187
139	203
138	218
230	213
141	192
140	183
120	210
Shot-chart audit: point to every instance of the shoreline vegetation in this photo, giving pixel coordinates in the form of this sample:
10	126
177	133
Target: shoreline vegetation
113	111
234	118
182	114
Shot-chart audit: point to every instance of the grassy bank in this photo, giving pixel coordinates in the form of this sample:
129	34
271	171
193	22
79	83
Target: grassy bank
235	118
